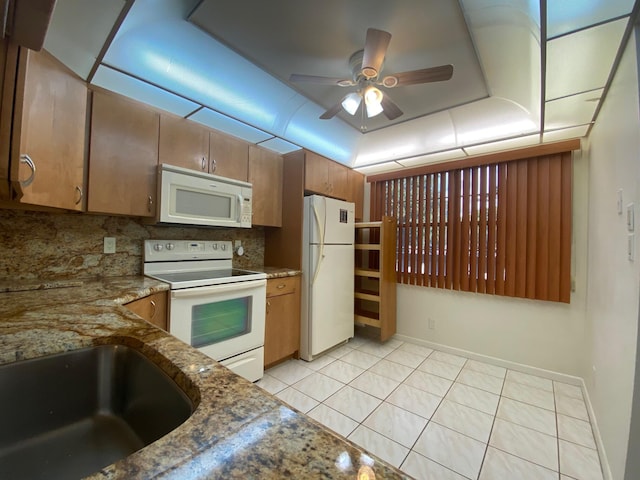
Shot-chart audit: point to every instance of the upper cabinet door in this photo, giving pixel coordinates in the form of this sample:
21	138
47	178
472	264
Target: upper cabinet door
228	156
316	173
356	192
123	157
183	143
265	174
48	136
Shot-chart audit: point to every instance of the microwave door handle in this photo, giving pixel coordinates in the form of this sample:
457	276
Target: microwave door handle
239	208
214	289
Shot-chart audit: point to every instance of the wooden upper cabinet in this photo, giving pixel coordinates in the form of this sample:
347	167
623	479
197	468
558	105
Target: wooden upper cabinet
228	156
123	157
356	192
338	180
48	133
316	173
325	177
265	174
183	143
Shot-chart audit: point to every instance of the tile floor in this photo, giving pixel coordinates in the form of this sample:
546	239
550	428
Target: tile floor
441	416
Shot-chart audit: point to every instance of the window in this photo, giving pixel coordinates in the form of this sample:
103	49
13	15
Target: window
501	228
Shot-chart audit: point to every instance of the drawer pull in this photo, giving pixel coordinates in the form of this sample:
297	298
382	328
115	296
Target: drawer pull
281	286
153	309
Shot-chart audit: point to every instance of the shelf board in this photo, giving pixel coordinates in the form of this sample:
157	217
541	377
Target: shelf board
367	272
367	296
366	320
367	246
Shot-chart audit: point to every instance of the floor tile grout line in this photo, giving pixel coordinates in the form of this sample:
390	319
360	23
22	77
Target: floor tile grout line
486	449
464	367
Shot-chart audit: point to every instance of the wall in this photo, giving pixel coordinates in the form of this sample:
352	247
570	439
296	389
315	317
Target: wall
612	307
36	245
546	335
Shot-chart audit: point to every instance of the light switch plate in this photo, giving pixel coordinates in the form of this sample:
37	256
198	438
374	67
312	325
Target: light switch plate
620	204
630	219
631	247
109	244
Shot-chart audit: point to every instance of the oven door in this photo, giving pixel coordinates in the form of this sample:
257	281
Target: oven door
222	321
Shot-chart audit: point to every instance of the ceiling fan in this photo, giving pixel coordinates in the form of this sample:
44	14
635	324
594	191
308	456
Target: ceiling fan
366	67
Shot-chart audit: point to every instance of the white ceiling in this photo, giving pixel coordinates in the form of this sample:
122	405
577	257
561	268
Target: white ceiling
520	78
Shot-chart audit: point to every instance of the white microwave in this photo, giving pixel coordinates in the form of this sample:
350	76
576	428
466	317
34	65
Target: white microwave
189	197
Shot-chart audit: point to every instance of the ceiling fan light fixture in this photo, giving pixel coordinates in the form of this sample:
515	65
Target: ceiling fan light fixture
369	72
351	103
373	101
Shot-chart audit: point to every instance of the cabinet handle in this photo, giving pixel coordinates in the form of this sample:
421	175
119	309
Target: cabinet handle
204	163
26	159
80	194
153	308
268	305
150	203
214	165
281	286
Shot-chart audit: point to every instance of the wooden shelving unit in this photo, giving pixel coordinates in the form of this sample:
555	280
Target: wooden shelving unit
375	276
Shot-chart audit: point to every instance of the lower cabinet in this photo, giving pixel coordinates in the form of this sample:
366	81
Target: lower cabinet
282	328
152	308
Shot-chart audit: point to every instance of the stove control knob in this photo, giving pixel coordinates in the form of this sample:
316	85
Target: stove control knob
157	247
215	246
223	246
170	246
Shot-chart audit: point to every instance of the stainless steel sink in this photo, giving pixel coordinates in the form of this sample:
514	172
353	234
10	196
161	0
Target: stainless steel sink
69	415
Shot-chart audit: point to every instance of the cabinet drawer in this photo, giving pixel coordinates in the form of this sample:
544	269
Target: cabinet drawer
282	286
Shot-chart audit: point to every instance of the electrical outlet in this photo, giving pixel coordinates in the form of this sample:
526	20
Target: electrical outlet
431	324
237	243
109	244
619	202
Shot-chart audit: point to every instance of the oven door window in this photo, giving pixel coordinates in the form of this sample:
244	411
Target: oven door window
219	321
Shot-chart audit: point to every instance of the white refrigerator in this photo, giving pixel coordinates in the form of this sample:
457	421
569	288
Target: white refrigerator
327	275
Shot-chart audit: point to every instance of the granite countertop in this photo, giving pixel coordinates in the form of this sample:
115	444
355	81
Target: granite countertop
278	272
237	430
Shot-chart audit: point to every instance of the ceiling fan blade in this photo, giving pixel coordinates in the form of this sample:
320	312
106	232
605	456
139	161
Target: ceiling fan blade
389	108
332	112
414	77
375	48
342	82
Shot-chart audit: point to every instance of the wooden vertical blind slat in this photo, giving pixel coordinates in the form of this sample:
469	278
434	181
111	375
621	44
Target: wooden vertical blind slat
532	222
512	216
521	230
482	247
433	257
441	228
473	267
502	229
457	236
492	227
555	222
501	240
567	216
542	235
451	215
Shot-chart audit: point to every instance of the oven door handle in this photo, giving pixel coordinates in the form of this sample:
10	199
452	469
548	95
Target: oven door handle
215	289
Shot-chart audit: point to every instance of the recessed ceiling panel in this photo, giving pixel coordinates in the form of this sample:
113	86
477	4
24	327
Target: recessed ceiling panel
582	61
433	158
289	36
380	168
510	144
228	125
118	82
565	16
571	111
278	145
78	30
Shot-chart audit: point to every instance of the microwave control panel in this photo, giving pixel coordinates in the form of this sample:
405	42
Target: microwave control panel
245	214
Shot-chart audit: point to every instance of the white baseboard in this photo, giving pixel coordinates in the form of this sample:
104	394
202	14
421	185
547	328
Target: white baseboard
541	372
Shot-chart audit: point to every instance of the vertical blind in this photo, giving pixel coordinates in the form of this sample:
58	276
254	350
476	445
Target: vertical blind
502	228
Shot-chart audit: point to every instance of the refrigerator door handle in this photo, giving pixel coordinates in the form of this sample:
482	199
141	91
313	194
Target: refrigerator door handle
321	235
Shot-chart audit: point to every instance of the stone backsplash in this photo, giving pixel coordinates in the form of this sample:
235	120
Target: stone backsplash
44	246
